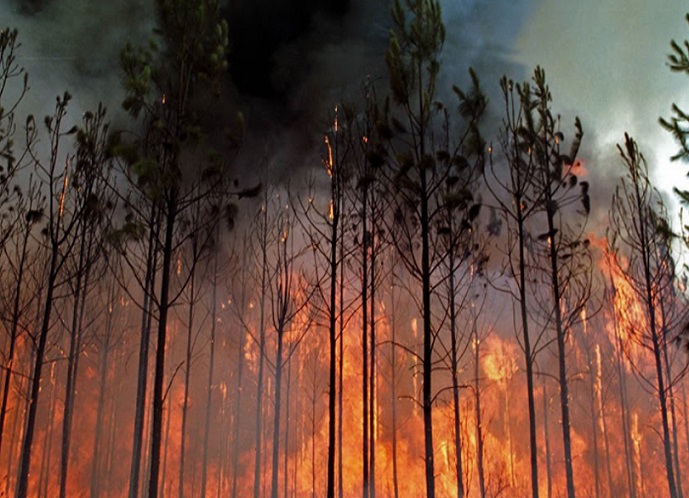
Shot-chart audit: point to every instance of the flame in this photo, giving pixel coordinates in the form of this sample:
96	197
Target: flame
63	194
305	423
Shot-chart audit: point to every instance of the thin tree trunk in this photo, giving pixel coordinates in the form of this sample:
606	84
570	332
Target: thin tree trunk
340	480
332	380
686	414
44	477
427	340
156	428
187	372
278	404
144	340
313	437
14	329
650	301
209	386
80	292
240	378
261	347
372	369
393	393
25	458
112	429
560	339
528	354
594	419
546	437
287	428
479	427
626	425
100	410
670	389
601	414
454	365
166	435
364	343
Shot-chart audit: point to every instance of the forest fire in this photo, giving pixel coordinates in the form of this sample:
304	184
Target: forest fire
427	315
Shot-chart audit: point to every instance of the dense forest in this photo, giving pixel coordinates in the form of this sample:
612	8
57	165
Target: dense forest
425	307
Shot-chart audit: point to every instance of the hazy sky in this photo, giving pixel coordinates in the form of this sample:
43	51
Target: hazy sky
605	61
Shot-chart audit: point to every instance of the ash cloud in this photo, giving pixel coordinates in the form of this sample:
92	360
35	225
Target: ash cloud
292	61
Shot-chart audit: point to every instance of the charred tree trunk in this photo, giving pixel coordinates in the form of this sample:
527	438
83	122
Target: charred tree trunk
83	271
372	369
14	330
211	364
454	366
46	474
332	336
144	340
560	334
187	370
96	470
261	347
25	457
393	393
364	343
340	480
427	340
158	395
287	430
477	402
546	437
528	353
278	405
240	379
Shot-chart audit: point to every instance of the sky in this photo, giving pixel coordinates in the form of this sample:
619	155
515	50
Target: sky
292	61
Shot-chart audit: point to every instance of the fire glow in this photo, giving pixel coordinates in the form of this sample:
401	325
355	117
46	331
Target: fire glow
303	440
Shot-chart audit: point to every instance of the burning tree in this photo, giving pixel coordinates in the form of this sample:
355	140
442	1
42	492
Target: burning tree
169	170
74	212
639	241
424	153
538	190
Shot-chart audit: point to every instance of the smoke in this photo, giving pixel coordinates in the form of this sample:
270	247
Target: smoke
291	62
74	46
606	62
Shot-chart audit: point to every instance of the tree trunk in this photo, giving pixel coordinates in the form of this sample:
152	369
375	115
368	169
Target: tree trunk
187	372
594	416
340	480
14	329
372	369
332	380
45	475
100	410
287	429
479	427
83	270
240	379
546	437
25	457
454	365
144	340
561	353
156	429
428	340
603	422
166	445
278	404
261	347
393	392
626	423
209	386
